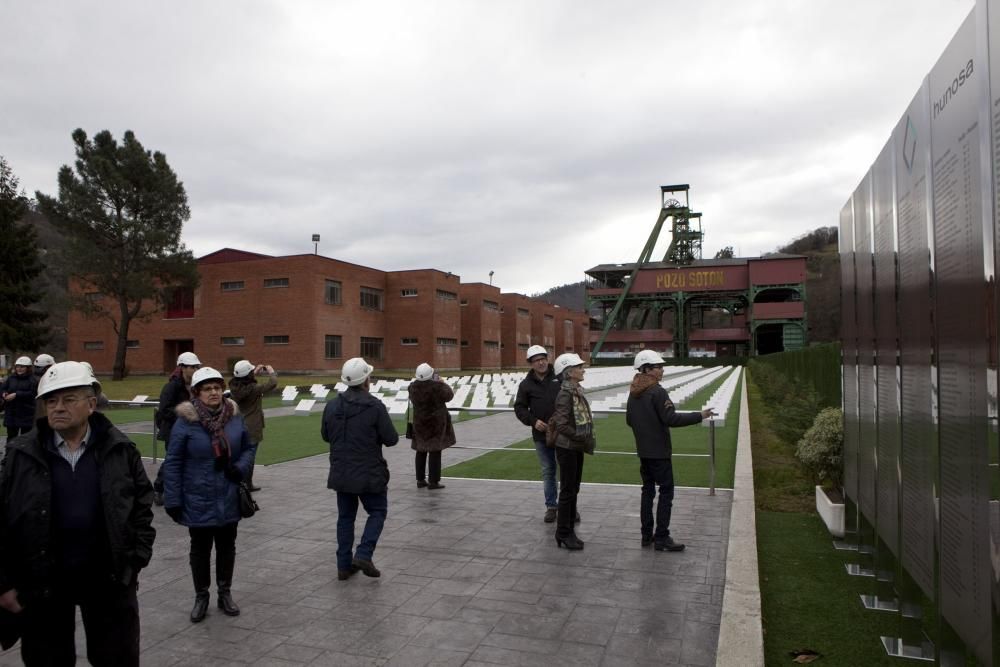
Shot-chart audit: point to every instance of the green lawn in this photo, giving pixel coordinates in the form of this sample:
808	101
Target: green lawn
613	435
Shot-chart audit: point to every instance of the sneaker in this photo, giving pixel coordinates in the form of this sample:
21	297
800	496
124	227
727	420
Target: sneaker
668	545
346	574
367	567
647	540
550	515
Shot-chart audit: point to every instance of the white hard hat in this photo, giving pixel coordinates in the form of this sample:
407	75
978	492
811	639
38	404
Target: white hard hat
65	375
424	371
90	368
355	371
188	359
647	357
242	368
204	374
564	361
44	360
534	351
23	361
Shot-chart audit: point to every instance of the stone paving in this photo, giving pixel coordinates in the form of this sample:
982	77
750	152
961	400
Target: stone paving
470	576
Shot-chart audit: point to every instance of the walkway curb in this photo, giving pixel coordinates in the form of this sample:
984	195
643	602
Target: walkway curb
741	639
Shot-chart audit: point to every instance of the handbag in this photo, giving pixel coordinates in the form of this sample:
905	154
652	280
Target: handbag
409	424
248	506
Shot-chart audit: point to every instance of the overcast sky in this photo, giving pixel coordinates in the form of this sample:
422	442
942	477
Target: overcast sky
527	138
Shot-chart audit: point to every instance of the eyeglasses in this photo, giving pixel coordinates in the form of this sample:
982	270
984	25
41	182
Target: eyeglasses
69	400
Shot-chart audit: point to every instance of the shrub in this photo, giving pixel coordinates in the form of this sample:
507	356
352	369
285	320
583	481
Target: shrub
821	448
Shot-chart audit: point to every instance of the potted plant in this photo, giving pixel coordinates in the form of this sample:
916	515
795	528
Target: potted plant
821	451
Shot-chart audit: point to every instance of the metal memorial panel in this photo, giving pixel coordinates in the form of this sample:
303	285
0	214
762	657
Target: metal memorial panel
865	315
961	350
886	352
918	444
849	351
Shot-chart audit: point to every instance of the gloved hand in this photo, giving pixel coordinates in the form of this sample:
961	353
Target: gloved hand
233	474
174	513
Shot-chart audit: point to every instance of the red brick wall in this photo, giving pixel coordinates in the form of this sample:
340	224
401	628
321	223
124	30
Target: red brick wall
515	329
543	326
480	325
428	317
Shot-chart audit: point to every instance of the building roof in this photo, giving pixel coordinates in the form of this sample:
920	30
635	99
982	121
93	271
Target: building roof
727	261
226	255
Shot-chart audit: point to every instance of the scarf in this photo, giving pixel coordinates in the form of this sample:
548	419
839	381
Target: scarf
581	410
214	423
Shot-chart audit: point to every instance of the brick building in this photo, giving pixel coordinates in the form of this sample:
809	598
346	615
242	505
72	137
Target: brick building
309	313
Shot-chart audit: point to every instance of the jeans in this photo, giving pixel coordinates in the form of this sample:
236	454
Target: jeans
547	458
377	506
570	473
433	472
656	472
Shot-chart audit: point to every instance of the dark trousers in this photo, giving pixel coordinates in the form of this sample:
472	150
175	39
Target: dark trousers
434	472
14	431
224	538
570	472
656	472
110	620
377	506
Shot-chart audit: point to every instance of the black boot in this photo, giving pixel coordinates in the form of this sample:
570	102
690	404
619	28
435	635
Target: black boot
201	573
225	562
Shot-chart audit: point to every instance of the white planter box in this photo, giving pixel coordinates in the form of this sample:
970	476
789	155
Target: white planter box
831	513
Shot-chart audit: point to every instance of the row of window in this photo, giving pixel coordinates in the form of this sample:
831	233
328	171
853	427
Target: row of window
236	285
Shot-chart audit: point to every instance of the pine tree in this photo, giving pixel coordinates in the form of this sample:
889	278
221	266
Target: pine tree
22	328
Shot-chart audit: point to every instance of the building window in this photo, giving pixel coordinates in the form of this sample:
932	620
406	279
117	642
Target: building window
131	344
408	291
523	312
93	297
180	303
332	348
491	305
371	348
333	292
465	343
275	282
407	341
448	342
463	302
446	296
371	298
491	345
548	318
93	344
232	285
232	340
523	347
275	340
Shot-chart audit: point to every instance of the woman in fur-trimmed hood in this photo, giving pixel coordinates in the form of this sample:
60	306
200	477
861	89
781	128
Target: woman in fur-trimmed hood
209	454
432	428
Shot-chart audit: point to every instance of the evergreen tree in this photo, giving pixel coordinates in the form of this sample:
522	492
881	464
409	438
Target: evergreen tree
122	211
22	328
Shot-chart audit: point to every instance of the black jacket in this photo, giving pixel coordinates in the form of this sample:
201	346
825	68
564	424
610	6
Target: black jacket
174	393
650	413
21	411
356	424
27	542
536	399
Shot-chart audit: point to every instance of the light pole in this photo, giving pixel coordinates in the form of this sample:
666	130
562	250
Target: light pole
491	278
315	244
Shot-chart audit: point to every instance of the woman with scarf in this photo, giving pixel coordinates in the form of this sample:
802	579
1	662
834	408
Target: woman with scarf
571	432
209	454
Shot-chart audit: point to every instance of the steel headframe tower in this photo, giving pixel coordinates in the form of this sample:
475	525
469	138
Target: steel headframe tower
685	246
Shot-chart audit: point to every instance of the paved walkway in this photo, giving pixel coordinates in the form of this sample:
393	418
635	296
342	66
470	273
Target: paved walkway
470	576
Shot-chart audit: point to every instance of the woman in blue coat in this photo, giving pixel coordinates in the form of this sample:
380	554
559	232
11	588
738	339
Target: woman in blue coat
208	455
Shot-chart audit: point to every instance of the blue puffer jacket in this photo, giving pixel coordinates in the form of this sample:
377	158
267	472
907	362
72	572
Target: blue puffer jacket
356	424
190	480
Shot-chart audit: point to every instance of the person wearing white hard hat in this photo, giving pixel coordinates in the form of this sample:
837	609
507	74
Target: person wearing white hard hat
432	428
209	454
42	363
249	395
357	426
177	390
82	483
18	394
533	406
571	432
651	413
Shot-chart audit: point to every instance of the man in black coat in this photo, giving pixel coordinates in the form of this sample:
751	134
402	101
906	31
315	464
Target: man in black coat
177	390
76	526
533	405
357	425
18	394
651	413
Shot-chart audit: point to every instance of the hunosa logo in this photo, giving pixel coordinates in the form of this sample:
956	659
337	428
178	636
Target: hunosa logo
963	75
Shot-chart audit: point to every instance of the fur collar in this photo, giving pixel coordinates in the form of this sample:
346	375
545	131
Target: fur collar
640	383
187	412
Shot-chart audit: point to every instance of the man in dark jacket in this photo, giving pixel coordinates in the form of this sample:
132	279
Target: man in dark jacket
18	394
533	405
651	413
356	424
177	390
249	396
75	528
